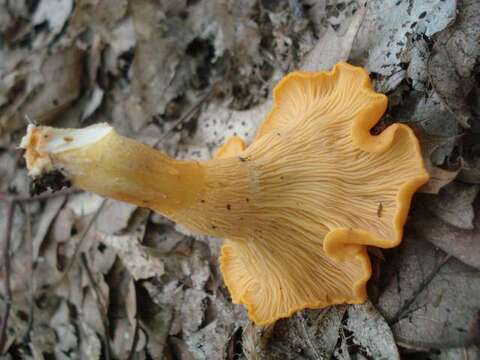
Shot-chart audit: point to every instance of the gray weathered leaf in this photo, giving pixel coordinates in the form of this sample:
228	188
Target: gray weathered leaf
454	205
429	305
371	332
452	64
135	256
386	27
461	243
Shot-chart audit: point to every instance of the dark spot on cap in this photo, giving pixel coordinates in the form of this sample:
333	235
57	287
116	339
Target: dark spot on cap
229	207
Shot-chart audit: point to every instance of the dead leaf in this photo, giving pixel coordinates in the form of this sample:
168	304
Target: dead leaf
438	179
45	87
427	304
136	257
62	84
466	353
314	331
470	173
193	310
454	205
90	347
97	14
49	213
156	320
383	34
84	204
209	342
332	48
370	332
67	340
430	144
464	244
123	337
157	55
452	63
115	217
181	348
53	12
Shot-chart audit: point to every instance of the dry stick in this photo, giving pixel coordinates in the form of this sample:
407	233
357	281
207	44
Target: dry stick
423	285
26	197
99	298
8	290
136	336
28	236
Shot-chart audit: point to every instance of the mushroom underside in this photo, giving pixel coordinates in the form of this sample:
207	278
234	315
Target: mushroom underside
333	189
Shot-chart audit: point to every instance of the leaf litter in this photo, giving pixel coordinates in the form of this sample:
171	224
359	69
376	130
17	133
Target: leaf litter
184	76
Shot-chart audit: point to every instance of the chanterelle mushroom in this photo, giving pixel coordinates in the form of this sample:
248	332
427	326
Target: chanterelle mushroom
297	207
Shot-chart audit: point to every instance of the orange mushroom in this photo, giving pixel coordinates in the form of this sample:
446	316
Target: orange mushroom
298	206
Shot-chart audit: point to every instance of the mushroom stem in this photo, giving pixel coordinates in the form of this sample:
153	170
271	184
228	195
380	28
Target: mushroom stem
99	160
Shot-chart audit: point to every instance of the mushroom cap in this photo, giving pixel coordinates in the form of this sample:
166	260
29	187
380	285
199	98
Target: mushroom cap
327	188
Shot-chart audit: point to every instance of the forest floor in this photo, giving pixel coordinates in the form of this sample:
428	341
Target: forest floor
87	278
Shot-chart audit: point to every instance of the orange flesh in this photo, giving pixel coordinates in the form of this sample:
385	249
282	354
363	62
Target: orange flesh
336	177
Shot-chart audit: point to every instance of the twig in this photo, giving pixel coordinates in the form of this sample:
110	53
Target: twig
187	116
99	298
412	347
28	236
131	354
6	259
29	120
306	335
26	197
399	315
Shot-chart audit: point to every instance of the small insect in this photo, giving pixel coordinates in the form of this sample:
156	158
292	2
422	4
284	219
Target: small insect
380	209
